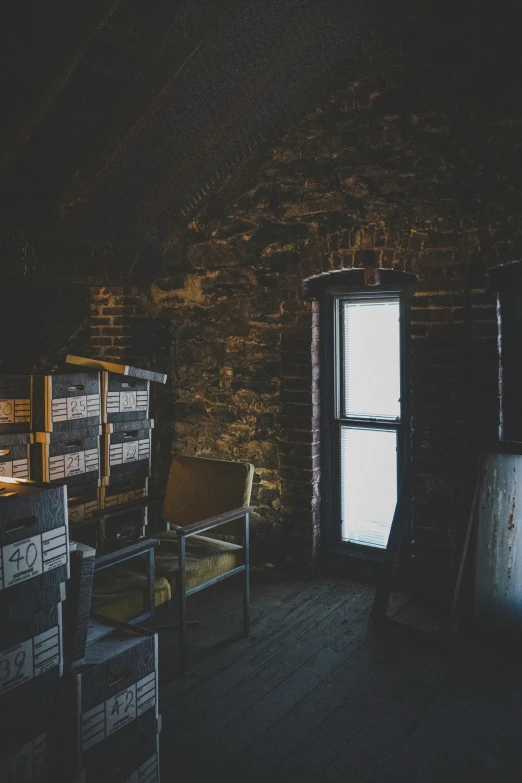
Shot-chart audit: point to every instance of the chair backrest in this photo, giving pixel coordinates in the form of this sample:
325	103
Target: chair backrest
199	488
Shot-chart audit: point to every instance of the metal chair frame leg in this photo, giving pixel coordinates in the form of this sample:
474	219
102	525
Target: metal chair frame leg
151	581
182	598
246	579
182	592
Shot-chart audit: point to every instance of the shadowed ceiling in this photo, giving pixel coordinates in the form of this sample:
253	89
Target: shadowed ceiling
121	115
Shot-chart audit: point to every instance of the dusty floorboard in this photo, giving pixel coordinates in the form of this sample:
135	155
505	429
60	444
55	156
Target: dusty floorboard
312	695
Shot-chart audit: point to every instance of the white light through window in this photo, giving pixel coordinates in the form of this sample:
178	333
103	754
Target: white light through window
368	484
371	341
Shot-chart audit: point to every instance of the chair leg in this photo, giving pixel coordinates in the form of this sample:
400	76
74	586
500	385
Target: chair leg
246	580
182	603
151	582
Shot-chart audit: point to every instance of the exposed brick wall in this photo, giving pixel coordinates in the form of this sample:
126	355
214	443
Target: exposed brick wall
299	446
112	311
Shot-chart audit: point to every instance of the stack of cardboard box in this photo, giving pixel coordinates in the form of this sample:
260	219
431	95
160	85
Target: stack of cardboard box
15	425
125	445
34	566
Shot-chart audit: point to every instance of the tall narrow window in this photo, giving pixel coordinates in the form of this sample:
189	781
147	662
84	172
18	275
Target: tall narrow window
368	416
364	402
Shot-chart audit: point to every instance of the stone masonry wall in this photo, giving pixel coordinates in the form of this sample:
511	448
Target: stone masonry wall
411	165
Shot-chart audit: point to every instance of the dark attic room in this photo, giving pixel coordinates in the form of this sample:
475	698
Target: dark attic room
260	392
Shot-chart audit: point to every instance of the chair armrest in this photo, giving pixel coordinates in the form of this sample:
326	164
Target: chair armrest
124	553
207	524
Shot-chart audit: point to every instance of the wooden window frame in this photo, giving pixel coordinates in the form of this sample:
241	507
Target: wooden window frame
332	421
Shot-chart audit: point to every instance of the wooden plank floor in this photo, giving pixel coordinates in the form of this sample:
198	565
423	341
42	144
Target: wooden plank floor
312	695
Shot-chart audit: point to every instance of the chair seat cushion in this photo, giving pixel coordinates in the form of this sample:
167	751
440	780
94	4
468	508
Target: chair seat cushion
206	558
120	593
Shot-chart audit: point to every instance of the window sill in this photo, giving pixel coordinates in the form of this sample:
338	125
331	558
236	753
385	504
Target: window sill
363	561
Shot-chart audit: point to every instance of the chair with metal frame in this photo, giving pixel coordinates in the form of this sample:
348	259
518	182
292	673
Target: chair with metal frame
203	496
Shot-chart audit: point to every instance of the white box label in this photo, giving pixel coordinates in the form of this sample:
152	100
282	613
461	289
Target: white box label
28	763
125	497
146	693
93	726
19	468
81	511
16	666
46	650
120	499
21	561
6	469
32	556
54	548
130	451
7	411
72	408
19	766
110	716
146	773
28	659
77	407
120	710
75	463
127	401
76	513
22	411
149	770
15	411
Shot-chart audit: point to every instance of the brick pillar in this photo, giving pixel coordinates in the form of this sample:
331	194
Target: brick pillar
112	310
299	440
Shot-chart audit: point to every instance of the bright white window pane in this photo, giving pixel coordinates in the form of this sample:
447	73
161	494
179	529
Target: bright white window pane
372	385
368	484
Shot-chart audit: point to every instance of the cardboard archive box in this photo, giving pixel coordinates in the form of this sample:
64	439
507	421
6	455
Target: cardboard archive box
75	458
126	450
124	398
15	403
62	402
113	693
15	455
34	555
